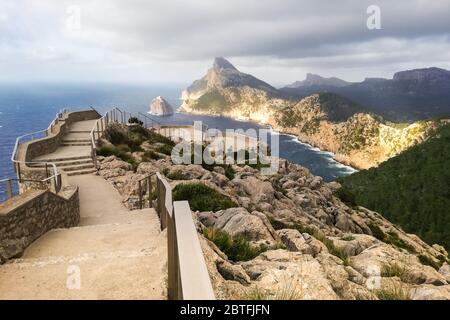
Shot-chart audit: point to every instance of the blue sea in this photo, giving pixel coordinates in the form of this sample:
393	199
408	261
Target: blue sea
30	107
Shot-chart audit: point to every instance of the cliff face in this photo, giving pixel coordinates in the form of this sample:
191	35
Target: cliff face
160	107
291	235
325	120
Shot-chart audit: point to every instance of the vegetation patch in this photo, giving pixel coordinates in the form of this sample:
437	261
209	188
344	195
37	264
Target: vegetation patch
122	152
395	292
177	175
237	248
201	197
390	238
428	261
411	189
395	270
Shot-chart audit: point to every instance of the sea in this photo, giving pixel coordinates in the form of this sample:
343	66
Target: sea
29	107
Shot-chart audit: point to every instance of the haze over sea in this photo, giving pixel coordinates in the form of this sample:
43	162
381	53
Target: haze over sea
27	108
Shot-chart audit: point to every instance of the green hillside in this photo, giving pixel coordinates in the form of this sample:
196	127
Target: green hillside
411	189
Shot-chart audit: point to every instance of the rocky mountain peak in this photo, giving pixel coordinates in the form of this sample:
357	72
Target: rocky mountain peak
425	74
317	80
222	63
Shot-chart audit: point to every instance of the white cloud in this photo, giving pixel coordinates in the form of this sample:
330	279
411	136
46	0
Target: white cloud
175	40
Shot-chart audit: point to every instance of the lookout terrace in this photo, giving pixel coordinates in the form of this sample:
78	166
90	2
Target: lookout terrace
65	232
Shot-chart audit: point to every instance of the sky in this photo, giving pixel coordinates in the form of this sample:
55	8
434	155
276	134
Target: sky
175	41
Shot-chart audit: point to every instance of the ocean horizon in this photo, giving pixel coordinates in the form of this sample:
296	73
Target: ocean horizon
26	108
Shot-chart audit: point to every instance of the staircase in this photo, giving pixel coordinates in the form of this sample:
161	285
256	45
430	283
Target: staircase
73	156
117	253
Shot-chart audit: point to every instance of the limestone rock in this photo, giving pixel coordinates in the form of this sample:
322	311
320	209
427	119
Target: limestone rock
160	107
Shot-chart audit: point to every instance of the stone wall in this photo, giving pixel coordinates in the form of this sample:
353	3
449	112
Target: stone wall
50	143
25	218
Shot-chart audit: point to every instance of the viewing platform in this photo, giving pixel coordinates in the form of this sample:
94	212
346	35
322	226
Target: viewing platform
72	237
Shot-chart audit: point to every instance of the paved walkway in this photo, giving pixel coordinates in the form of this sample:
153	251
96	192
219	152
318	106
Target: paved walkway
119	254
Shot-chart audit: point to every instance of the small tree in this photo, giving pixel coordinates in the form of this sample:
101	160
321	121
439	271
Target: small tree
135	120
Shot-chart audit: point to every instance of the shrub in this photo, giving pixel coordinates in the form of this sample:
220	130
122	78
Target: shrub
135	120
346	196
427	261
202	197
376	231
120	152
237	248
177	175
151	155
165	149
393	238
392	293
348	237
395	270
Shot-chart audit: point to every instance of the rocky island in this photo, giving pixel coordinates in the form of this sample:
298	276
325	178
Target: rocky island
160	107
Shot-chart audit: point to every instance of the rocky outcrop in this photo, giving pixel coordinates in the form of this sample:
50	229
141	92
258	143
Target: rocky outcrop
160	107
310	245
325	120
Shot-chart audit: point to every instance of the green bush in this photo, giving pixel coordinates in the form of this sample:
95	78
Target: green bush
392	293
202	197
135	120
395	270
237	248
120	152
165	149
346	196
376	231
427	261
176	175
151	155
411	189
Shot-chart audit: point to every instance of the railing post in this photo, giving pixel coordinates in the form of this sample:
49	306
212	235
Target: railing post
173	291
150	193
98	132
140	194
9	189
46	171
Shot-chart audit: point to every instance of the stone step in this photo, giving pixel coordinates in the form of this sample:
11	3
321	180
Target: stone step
69	144
139	231
64	163
79	172
56	160
79	131
76	140
78	167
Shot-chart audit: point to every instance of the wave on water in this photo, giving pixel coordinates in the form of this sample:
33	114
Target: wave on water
333	163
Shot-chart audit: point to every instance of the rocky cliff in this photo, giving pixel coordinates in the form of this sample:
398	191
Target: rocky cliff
326	120
290	236
160	107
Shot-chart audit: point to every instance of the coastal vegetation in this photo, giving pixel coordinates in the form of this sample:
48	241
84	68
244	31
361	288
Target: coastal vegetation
411	189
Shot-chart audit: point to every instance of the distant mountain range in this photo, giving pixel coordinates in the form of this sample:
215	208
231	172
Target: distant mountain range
411	95
330	121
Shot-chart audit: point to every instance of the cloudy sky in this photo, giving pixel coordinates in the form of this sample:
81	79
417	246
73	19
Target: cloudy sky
174	41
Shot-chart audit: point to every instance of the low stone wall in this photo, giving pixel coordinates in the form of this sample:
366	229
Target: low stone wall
50	143
25	218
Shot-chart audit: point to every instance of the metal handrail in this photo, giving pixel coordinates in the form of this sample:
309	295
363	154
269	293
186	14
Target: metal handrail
56	176
144	186
149	118
112	115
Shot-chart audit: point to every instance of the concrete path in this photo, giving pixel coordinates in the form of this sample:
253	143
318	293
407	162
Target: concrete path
113	254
